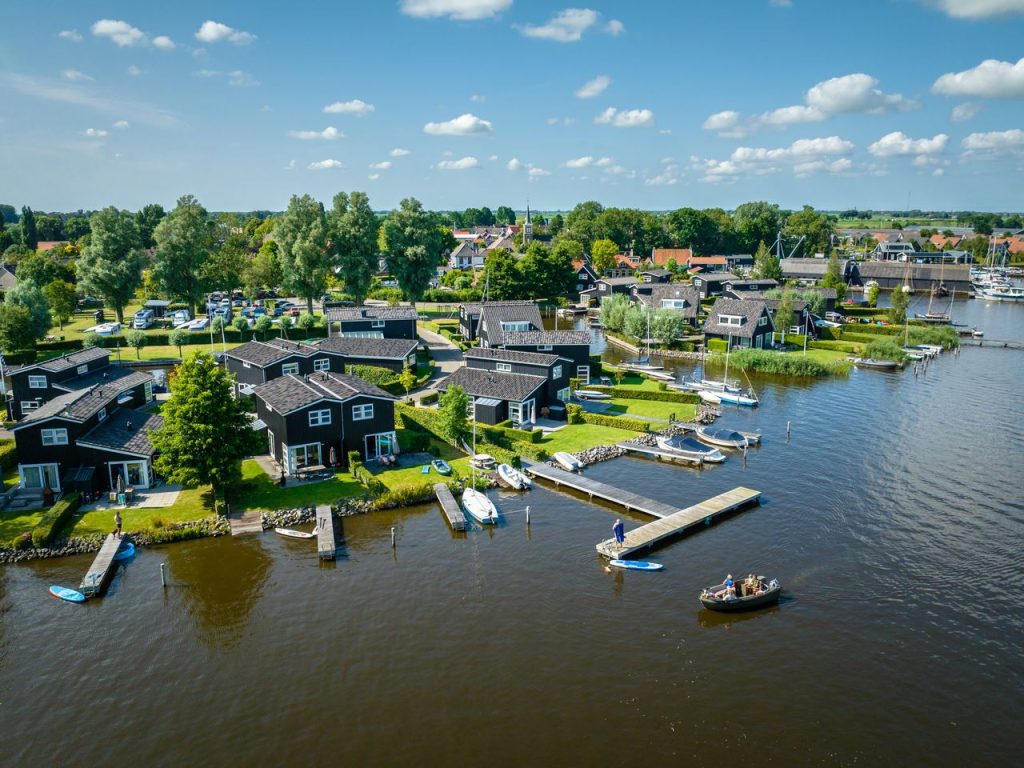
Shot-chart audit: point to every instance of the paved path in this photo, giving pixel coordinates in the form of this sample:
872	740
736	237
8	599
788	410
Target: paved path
447	358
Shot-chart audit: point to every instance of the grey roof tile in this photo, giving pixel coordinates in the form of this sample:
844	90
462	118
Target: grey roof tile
653	294
483	383
125	430
62	363
750	311
345	314
81	404
510	355
542	338
388	349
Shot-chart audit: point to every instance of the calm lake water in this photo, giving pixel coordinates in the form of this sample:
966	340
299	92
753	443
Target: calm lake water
893	517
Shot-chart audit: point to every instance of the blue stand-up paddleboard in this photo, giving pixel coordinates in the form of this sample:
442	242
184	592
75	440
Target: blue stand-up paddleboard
126	551
64	593
636	565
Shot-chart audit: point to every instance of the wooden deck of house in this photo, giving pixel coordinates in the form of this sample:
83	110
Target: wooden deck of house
452	510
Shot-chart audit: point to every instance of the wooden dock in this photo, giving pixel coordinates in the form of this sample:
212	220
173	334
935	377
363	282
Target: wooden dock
593	488
325	545
647	536
452	510
98	575
660	455
1000	343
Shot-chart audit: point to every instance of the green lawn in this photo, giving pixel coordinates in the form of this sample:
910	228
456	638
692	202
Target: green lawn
635	381
579	437
14	522
192	504
11	478
656	409
258	491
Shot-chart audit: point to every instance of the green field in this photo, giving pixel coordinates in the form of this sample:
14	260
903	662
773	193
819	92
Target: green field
885	222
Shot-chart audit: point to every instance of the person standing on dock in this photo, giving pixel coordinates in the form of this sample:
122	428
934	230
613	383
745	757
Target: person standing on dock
117	524
619	531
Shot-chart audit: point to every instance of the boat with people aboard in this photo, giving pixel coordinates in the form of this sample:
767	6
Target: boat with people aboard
690	448
753	592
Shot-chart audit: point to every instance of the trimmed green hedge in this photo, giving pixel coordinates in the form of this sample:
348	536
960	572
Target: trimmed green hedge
54	520
835	346
830	334
717	345
647	394
880	330
430	397
8	454
621	422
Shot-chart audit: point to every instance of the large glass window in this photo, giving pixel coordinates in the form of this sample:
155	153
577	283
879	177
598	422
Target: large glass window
322	364
300	456
40	476
556	372
320	418
504	367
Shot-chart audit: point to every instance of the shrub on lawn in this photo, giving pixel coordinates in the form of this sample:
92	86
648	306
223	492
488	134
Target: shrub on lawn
374	374
717	345
626	393
54	520
783	364
8	454
885	349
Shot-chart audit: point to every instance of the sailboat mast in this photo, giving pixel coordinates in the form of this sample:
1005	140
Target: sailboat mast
728	346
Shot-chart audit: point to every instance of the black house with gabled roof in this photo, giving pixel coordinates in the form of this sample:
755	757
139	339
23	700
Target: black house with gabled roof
742	323
498	396
470	312
555	370
374	322
32	385
257	362
59	438
310	419
394	354
677	297
709	284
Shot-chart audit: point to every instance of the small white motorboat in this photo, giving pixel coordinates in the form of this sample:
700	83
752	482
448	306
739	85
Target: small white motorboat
707	396
659	375
567	461
293	534
479	507
514	477
690	448
721	436
592	394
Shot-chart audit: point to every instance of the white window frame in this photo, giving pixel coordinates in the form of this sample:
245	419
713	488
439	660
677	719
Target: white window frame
504	367
147	387
37	382
29	405
291	450
543	347
761	321
289	369
83	369
54	436
102	414
362	411
563	395
730	320
516	326
378	323
318	418
556	372
583	373
42	475
246	365
322	364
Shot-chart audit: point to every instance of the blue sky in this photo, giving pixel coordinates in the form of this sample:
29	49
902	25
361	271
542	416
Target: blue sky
870	104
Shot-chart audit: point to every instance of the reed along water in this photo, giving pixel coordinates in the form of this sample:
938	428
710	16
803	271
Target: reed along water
893	516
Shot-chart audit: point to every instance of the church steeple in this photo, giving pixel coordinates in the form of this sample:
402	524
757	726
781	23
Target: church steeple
527	226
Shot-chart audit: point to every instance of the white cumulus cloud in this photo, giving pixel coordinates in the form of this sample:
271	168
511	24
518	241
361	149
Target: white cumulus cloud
75	76
399	152
121	33
462	164
565	26
537	172
373	176
460	10
134	71
330	133
626	118
356	107
215	32
95	133
992	79
164	43
803	156
995	141
383	165
614	27
463	125
514	164
122	124
323	165
593	88
964	112
70	34
980	9
898	143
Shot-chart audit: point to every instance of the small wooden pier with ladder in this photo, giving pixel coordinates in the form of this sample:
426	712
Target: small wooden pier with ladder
325	544
677	523
98	575
452	510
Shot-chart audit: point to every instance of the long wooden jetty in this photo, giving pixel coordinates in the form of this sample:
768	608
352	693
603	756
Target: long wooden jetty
452	510
325	544
647	536
593	488
1001	343
661	455
98	575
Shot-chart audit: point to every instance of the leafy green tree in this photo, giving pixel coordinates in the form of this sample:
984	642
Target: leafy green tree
816	227
451	411
217	324
60	296
184	241
666	325
306	321
834	277
756	222
635	324
872	295
92	339
784	313
76	227
179	337
603	255
263	324
502	276
354	228
613	312
414	242
581	223
548	272
556	225
29	231
263	272
136	340
630	228
147	220
302	240
766	264
226	266
241	325
407	378
690	228
619	374
898	309
42	268
205	432
505	215
17	328
284	323
30	296
111	264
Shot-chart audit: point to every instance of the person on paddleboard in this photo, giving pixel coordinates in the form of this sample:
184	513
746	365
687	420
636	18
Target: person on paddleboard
619	531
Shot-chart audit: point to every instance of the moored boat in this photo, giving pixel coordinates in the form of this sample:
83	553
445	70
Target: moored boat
479	507
690	448
66	593
126	551
743	596
291	533
737	398
513	477
879	365
707	396
567	461
441	467
726	438
659	375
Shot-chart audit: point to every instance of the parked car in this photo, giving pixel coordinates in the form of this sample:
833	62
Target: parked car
294	311
143	319
223	312
89	302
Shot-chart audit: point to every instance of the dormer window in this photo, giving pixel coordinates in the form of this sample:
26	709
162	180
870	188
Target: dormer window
82	370
730	320
37	382
516	327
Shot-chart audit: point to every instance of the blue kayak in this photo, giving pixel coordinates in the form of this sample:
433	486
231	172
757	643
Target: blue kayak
64	593
636	565
127	550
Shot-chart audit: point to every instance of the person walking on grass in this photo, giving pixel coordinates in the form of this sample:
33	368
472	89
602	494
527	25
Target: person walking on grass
117	524
619	531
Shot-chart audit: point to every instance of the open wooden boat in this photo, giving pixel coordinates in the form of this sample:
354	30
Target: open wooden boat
764	592
567	461
726	438
690	448
479	507
291	533
876	364
513	477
